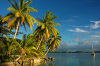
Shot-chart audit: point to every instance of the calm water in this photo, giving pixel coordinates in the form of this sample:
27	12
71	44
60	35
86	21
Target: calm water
73	59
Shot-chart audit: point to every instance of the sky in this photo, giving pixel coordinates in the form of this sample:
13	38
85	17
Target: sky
79	19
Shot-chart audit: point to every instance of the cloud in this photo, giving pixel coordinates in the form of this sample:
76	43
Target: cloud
84	42
96	25
95	36
84	45
63	45
77	30
98	33
81	26
75	40
93	26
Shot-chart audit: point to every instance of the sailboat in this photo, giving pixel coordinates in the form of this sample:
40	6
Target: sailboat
93	52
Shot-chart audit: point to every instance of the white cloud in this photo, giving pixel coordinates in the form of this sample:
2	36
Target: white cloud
77	30
96	24
81	26
84	45
95	36
84	42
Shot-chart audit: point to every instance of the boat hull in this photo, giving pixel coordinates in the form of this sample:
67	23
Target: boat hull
93	54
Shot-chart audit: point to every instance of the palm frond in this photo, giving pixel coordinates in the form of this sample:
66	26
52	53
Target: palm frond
16	5
54	31
54	24
12	9
11	22
29	20
7	38
40	20
12	4
24	27
29	10
54	17
27	3
6	18
22	19
21	4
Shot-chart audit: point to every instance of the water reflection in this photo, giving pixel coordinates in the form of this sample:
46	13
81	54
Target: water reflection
93	57
51	63
73	59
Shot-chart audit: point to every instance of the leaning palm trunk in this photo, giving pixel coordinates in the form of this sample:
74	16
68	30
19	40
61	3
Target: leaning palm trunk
39	44
18	58
16	30
46	52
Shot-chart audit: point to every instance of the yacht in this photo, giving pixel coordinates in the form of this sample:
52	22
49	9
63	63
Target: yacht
93	52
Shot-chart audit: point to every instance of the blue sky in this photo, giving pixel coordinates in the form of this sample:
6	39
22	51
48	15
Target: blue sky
75	17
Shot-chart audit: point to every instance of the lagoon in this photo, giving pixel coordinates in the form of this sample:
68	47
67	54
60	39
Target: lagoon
73	59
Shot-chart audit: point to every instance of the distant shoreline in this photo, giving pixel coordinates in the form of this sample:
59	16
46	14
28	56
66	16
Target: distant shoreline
73	52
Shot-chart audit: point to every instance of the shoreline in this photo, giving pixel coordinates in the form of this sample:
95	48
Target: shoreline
28	61
74	52
35	61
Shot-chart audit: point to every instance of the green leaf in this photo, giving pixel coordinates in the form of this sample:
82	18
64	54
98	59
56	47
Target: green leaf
12	9
12	4
27	3
21	4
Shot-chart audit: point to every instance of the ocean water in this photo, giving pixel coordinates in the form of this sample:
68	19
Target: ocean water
73	59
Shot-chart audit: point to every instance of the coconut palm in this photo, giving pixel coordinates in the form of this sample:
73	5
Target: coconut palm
25	46
46	27
19	15
10	46
2	46
3	29
28	46
54	42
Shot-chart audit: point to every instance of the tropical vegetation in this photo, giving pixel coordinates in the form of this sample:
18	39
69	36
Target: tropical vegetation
37	44
19	15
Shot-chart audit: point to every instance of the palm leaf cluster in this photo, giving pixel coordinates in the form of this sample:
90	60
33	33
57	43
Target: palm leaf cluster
22	47
28	46
54	42
46	27
9	46
3	29
19	13
33	44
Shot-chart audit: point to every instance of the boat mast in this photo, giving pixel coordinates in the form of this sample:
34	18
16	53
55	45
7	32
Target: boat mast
92	48
92	40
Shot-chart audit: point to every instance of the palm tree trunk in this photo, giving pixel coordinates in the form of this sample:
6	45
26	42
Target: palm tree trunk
18	58
16	30
39	44
46	52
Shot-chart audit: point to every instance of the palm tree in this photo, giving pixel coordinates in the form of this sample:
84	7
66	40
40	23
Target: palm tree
19	15
3	29
28	45
11	45
53	43
2	47
33	40
46	27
